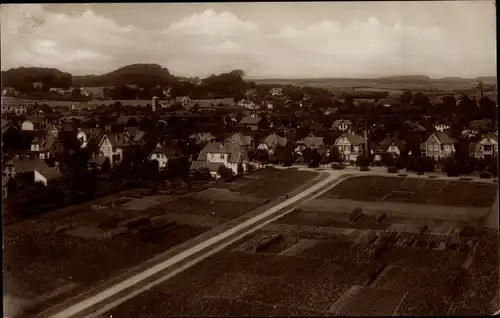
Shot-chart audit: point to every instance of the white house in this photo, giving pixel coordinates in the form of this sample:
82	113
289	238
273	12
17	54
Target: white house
486	147
342	125
392	146
112	146
350	146
27	125
163	154
217	154
438	145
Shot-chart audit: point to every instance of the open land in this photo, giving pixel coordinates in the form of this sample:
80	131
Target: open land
327	264
67	251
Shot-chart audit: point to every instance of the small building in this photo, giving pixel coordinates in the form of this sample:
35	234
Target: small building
251	122
114	145
217	154
272	142
342	125
350	146
243	141
439	145
310	142
278	91
164	154
29	171
486	147
201	138
389	145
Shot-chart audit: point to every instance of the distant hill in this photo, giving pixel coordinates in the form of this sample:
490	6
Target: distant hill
22	78
138	74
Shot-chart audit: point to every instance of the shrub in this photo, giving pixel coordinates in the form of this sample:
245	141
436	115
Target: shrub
403	175
466	178
452	174
484	175
364	168
338	166
313	164
392	169
419	173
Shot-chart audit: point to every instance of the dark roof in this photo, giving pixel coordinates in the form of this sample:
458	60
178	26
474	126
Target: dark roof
274	140
135	133
240	139
236	154
443	137
118	140
353	138
30	165
212	166
202	137
170	151
312	142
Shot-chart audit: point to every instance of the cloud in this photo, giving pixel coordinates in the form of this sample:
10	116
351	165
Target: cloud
212	23
210	41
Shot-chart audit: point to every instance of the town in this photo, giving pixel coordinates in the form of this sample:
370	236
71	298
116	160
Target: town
250	160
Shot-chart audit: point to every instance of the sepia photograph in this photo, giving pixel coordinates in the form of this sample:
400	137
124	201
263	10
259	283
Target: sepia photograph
250	159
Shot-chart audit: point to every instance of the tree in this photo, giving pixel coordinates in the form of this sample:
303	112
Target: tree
286	156
262	156
225	172
313	158
388	160
363	160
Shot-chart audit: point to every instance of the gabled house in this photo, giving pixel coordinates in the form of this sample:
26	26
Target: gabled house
389	145
350	146
438	145
241	140
272	142
201	138
217	154
114	145
486	147
251	122
53	131
442	126
342	125
310	142
29	171
164	154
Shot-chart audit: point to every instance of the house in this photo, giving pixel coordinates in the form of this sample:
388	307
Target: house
438	145
185	101
342	125
29	171
251	122
53	131
272	142
350	146
248	104
442	126
9	169
164	154
469	133
481	125
486	147
217	154
114	145
11	91
87	135
18	110
241	140
310	142
200	138
38	123
278	91
389	145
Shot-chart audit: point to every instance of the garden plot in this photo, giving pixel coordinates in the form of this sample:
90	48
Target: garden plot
368	301
148	202
214	194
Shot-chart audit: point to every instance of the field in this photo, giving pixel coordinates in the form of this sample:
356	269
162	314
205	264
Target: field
414	190
303	270
317	263
67	251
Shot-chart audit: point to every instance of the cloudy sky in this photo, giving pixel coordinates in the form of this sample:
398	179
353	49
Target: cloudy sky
343	39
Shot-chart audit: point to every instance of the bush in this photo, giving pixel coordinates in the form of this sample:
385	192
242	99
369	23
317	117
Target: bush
452	174
338	166
419	173
364	168
392	169
402	175
484	175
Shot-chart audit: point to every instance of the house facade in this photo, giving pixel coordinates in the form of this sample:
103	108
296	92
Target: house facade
392	146
342	125
350	146
217	154
485	148
113	146
439	145
164	154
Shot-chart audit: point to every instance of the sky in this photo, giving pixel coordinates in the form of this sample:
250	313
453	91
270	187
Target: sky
273	40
